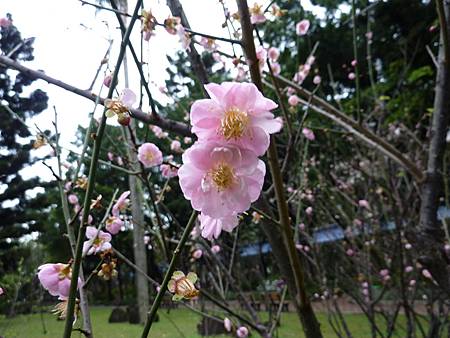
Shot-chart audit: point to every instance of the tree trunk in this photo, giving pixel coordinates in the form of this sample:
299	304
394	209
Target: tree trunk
140	254
432	189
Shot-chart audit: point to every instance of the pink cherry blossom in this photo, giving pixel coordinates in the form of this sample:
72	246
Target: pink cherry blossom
209	44
227	324
351	76
121	203
242	332
309	211
302	27
168	171
317	80
197	254
273	53
384	272
237	113
98	241
114	224
149	155
412	282
215	249
220	180
110	156
212	227
5	22
257	14
309	134
354	63
73	199
261	55
55	278
363	204
175	146
409	268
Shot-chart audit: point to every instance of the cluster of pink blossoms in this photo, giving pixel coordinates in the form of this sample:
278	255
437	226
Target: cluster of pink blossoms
221	173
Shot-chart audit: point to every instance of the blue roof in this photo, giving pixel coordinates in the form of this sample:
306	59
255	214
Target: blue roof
331	233
255	249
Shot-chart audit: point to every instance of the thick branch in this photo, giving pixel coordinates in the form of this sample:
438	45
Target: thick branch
324	108
167	124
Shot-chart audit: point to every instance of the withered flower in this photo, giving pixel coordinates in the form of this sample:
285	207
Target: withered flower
183	286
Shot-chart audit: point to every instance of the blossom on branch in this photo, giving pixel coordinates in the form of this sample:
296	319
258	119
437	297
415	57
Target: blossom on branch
237	113
121	106
149	155
183	286
55	278
121	204
148	24
219	179
212	227
98	241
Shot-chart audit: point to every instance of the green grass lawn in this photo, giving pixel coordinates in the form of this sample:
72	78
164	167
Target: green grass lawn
31	326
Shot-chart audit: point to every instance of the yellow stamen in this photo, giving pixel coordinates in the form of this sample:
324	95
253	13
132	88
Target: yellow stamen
234	123
222	176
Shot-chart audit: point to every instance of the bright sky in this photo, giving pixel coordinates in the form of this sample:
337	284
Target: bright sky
71	39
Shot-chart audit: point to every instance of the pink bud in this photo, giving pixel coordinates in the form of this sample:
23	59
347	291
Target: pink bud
309	211
384	272
317	79
73	199
215	249
293	100
409	268
227	324
351	76
107	81
273	53
354	63
363	204
301	226
412	282
197	254
427	274
350	252
408	246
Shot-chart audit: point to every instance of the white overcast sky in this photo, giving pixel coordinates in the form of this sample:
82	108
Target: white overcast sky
71	39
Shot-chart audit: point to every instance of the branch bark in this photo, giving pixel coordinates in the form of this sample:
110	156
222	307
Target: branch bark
311	326
432	189
167	124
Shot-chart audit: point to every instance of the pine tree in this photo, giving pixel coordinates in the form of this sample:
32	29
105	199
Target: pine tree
19	214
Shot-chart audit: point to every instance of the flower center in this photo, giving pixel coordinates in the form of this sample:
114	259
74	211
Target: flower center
97	241
234	123
118	107
65	272
222	176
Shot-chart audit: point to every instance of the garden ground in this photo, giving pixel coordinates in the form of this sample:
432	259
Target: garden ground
32	326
